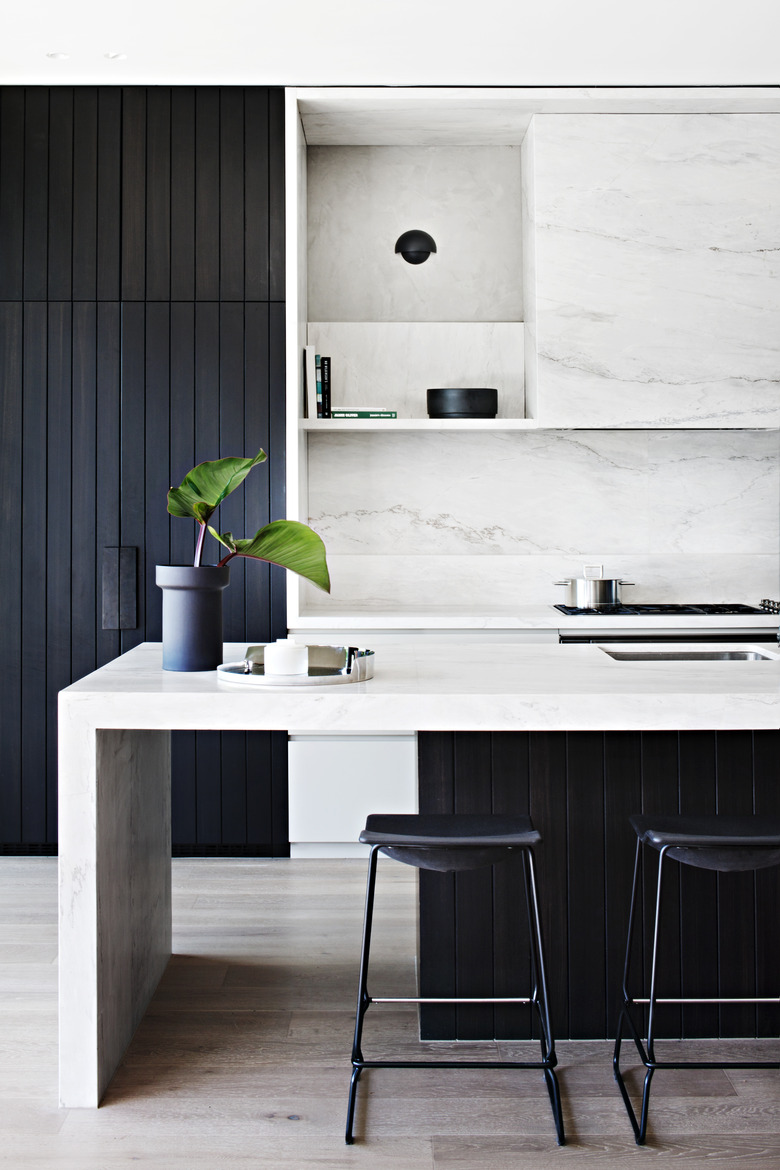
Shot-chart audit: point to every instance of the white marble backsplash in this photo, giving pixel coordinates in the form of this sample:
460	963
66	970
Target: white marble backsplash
655	285
361	199
484	517
391	364
489	585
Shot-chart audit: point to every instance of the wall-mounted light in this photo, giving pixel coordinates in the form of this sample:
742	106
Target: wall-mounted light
415	246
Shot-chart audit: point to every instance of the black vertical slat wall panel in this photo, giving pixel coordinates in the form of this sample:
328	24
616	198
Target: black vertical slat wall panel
183	193
60	201
207	217
85	596
276	191
11	571
133	195
132	462
12	148
718	936
137	337
108	431
109	195
736	913
158	195
36	194
60	473
85	194
33	572
259	194
767	803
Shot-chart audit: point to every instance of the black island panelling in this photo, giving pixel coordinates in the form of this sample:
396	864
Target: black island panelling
141	331
580	788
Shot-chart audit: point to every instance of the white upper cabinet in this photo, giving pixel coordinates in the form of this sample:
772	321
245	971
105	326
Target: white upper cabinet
651	265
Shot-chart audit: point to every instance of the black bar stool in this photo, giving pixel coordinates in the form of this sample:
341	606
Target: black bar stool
723	843
455	842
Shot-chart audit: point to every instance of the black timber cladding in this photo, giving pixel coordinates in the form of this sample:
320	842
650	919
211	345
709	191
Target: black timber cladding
580	788
141	331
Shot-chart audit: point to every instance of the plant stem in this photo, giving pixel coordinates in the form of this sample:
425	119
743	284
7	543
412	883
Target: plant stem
224	561
199	547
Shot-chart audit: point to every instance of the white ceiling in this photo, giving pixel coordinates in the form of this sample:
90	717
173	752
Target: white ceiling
392	42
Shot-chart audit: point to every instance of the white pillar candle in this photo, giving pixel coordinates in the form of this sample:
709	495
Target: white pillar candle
285	657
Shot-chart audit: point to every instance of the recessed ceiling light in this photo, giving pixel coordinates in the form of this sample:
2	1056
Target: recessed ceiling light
59	56
115	56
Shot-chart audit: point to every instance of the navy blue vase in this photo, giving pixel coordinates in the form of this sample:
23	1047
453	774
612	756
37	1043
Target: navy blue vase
192	615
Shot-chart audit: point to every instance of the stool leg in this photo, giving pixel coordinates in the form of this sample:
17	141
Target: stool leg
639	1125
631	913
363	999
541	995
654	963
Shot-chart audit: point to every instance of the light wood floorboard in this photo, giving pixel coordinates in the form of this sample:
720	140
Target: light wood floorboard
243	1056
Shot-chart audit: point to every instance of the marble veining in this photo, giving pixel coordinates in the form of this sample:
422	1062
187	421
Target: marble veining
656	285
496	518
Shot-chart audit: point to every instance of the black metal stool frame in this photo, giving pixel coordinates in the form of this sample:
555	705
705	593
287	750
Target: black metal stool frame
538	998
647	1052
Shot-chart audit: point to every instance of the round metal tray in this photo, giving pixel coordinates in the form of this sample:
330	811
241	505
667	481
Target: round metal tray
328	666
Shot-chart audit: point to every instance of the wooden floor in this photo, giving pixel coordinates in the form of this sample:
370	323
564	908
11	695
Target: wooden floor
243	1057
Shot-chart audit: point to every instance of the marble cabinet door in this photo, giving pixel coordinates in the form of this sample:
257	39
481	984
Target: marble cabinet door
652	257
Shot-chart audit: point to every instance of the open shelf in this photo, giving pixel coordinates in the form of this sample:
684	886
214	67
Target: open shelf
418	424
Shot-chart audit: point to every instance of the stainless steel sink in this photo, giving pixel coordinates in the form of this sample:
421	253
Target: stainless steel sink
682	652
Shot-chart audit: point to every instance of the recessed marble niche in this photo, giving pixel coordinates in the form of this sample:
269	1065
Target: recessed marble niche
361	198
652	282
493	519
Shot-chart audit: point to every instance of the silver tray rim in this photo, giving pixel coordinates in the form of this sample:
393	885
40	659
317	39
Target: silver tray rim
235	674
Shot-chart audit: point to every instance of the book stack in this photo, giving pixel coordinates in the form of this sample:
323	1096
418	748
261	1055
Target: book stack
316	378
317	392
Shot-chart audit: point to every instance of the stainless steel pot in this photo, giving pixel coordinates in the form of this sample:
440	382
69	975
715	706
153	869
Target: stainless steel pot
592	592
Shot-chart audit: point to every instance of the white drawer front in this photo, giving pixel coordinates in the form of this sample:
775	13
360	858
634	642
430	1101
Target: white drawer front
336	781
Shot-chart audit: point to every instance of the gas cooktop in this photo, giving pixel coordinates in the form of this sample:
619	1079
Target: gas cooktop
637	610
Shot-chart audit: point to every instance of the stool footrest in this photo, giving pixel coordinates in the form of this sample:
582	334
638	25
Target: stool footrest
713	999
446	999
522	1064
681	1064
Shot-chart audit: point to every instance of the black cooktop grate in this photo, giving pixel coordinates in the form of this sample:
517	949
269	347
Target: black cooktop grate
669	610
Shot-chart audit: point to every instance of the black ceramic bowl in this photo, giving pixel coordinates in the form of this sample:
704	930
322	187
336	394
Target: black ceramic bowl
458	402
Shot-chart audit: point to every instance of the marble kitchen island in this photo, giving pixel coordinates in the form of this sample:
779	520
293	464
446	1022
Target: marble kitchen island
114	777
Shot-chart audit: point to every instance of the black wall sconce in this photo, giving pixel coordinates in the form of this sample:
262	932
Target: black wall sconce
415	246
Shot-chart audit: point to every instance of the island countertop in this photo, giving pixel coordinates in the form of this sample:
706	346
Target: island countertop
437	687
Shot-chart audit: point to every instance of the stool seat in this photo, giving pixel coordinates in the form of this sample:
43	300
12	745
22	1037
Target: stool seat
449	841
442	829
723	843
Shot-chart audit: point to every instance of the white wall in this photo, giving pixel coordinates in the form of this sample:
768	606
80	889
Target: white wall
394	42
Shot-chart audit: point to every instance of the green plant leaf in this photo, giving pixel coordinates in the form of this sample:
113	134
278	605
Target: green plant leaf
205	487
288	543
225	538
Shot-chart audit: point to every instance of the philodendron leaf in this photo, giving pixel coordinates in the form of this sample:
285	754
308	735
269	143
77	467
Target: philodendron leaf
287	543
205	487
